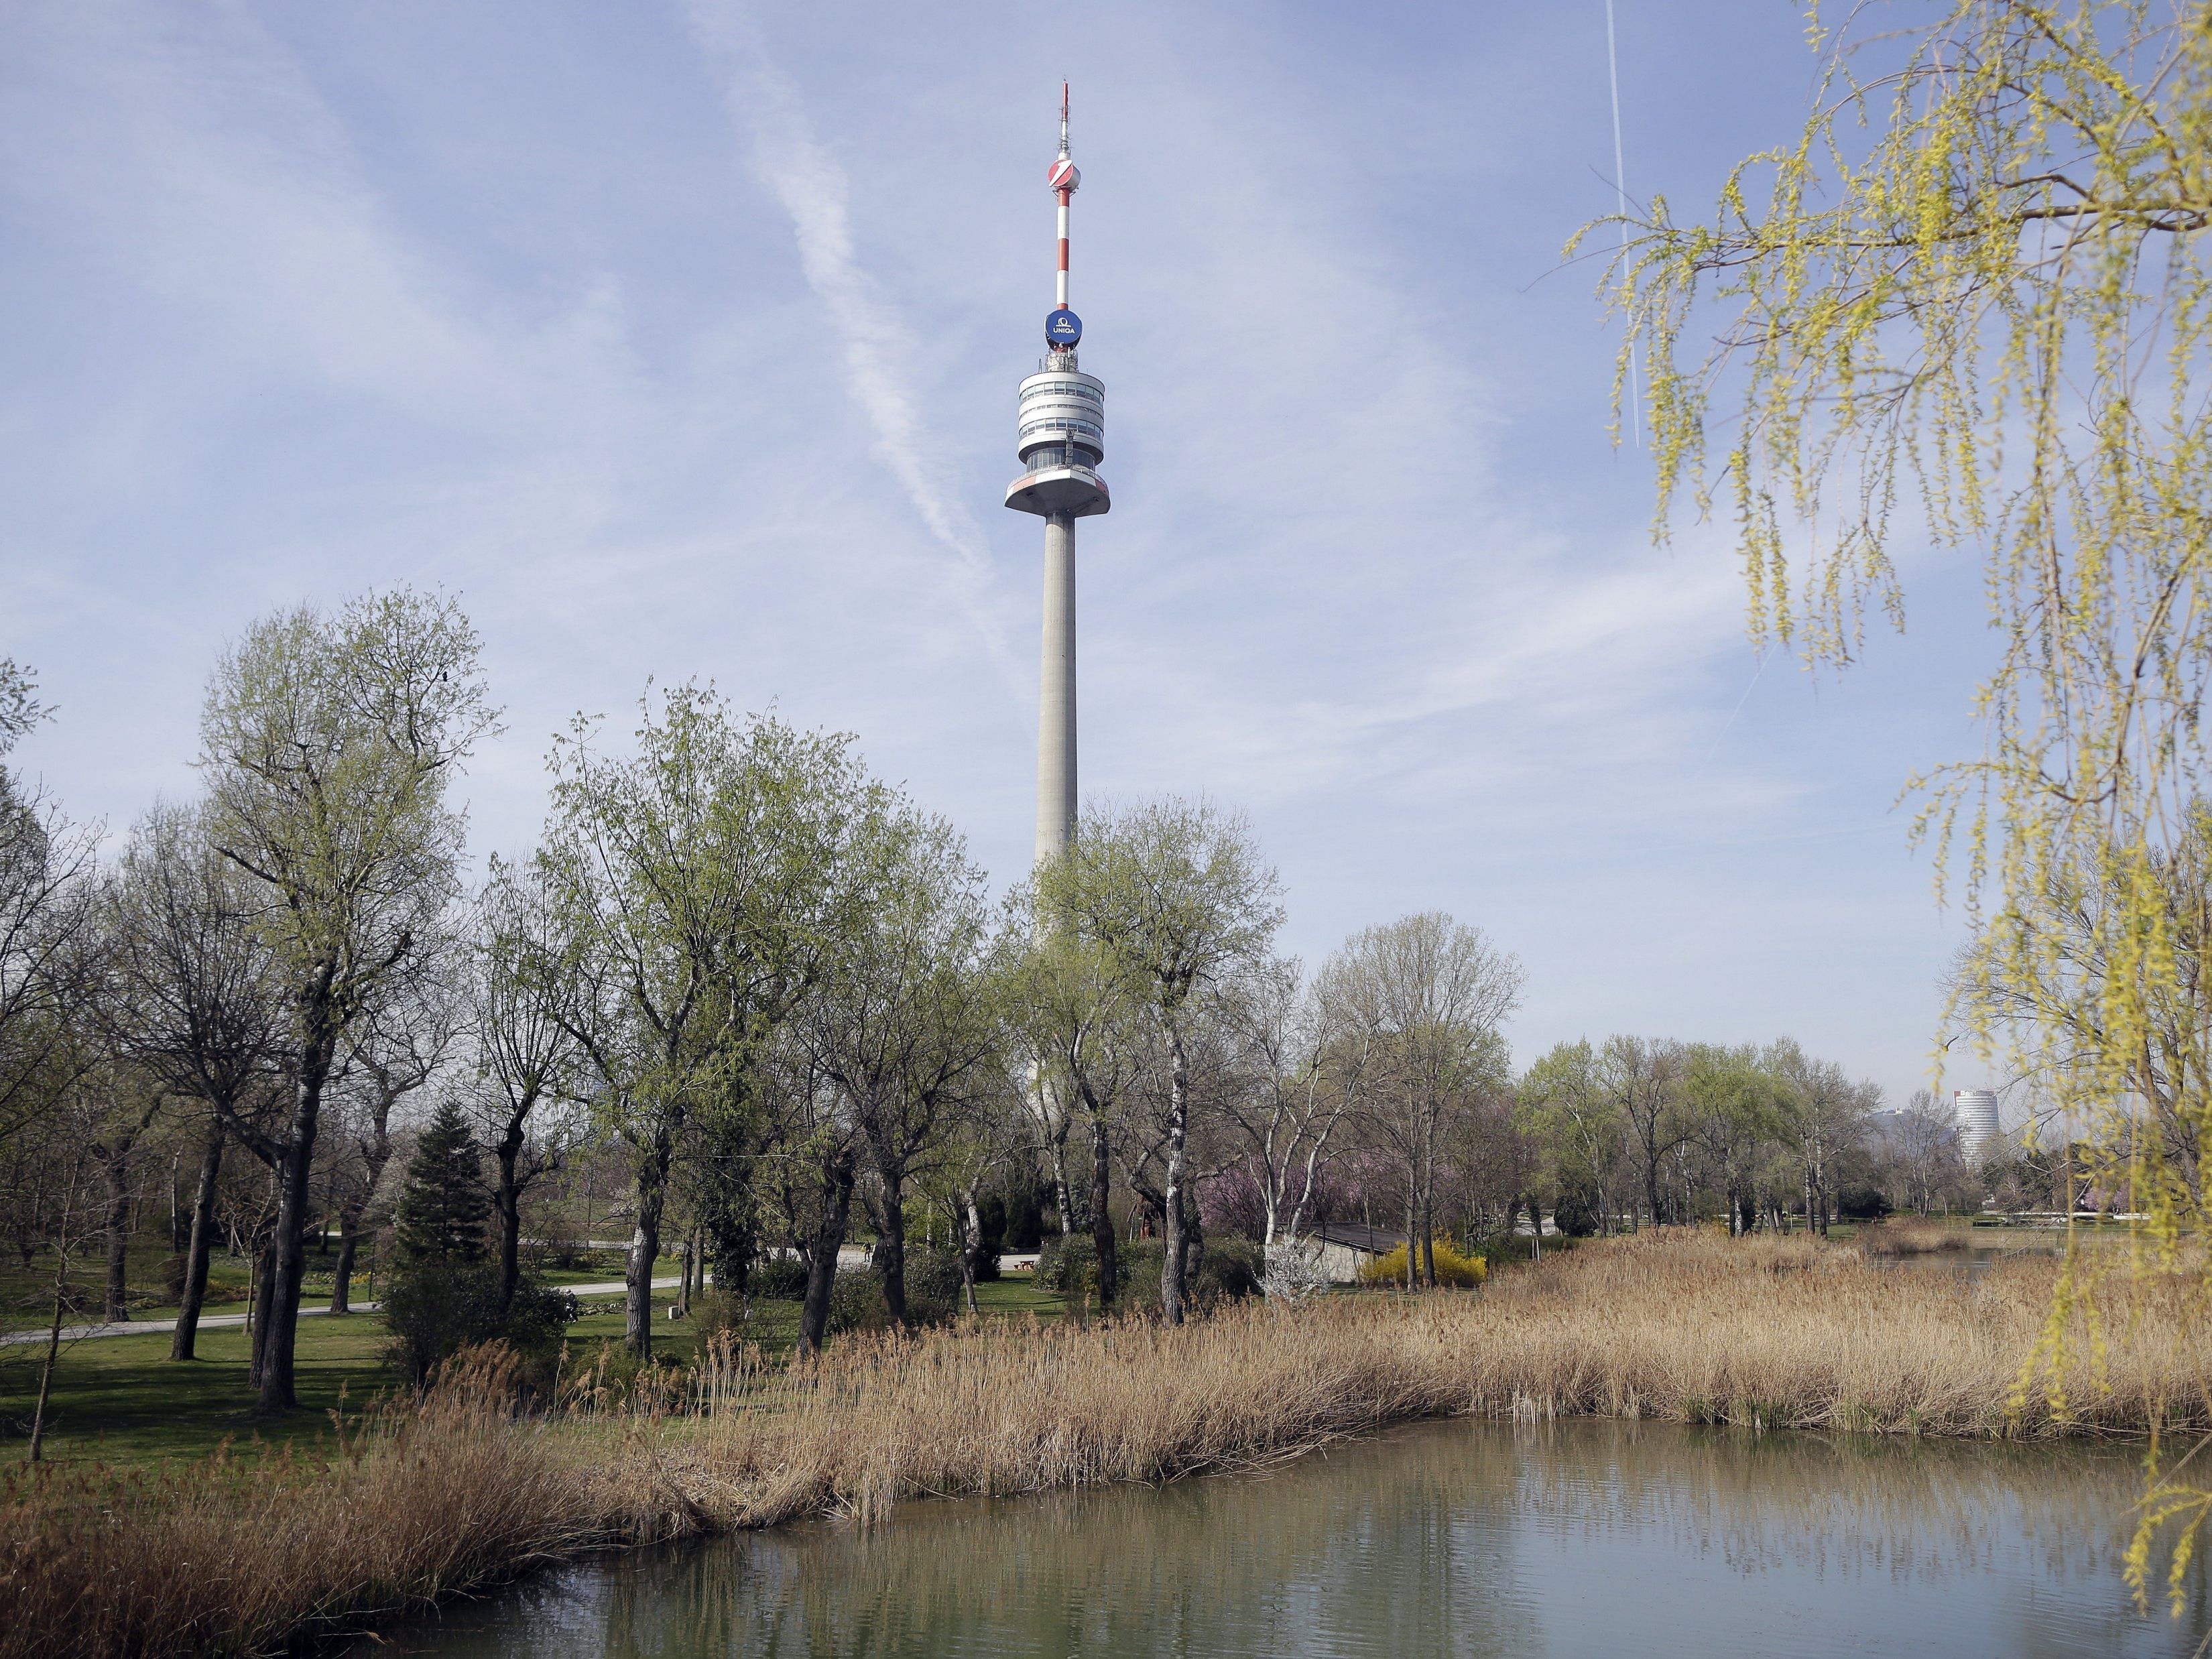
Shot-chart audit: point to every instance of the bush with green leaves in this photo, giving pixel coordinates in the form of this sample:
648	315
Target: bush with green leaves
778	1279
1069	1265
933	1286
434	1307
1228	1269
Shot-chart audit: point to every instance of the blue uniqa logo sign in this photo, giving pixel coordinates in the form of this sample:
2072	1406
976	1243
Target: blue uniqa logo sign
1062	328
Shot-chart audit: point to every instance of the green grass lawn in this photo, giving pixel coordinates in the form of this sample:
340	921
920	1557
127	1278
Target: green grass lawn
121	1399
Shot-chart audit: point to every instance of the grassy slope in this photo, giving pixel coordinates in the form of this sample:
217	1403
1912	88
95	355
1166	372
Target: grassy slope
121	1399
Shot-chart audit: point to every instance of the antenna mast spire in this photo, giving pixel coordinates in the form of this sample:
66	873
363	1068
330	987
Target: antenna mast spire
1064	180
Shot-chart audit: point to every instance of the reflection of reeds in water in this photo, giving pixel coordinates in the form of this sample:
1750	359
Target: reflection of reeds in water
1690	1328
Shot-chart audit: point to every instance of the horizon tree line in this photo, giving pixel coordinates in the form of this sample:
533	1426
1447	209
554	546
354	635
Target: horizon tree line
778	999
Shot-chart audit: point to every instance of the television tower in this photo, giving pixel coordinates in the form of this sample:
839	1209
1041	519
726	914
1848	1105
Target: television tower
1060	437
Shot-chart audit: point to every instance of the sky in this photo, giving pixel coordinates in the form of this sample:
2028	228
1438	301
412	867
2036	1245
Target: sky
680	341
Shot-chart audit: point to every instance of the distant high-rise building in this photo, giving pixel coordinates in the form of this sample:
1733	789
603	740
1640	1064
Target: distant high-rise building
1976	1113
1061	437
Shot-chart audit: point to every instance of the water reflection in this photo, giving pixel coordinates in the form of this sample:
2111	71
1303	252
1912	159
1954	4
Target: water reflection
1460	1539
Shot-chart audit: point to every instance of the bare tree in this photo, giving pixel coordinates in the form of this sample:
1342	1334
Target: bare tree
401	1043
47	899
1295	1086
199	1005
527	1052
1425	996
1929	1151
1644	1079
1828	1120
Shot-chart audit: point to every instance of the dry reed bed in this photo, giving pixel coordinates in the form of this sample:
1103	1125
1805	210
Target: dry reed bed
1685	1327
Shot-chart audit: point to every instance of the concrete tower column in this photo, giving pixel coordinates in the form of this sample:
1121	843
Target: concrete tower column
1061	436
1055	810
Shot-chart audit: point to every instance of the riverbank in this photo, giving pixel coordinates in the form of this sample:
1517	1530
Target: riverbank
1687	1327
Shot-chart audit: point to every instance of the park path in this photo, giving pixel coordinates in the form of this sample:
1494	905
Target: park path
216	1321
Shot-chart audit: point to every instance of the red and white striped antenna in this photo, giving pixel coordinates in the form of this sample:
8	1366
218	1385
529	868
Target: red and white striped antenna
1063	179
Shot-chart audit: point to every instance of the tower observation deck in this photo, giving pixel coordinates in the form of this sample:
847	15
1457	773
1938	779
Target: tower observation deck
1060	437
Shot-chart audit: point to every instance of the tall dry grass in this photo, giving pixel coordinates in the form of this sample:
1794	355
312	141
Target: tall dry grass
1900	1236
1679	1327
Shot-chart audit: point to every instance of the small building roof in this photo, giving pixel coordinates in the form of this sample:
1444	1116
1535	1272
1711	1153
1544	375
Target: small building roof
1373	1241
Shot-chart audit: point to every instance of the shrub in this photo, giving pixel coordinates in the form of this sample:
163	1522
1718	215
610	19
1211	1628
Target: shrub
1453	1269
1513	1250
1863	1203
1577	1214
856	1303
433	1309
1228	1270
779	1279
933	1286
1069	1265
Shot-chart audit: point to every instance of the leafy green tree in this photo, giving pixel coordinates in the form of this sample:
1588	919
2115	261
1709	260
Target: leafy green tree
329	743
1074	1012
1738	1111
442	1204
1978	283
904	1021
699	884
1176	895
1580	1133
527	1059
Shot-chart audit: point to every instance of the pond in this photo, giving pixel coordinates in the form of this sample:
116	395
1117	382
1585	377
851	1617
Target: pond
1455	1538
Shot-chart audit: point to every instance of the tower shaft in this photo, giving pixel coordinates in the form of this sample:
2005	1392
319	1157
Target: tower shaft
1055	806
1060	437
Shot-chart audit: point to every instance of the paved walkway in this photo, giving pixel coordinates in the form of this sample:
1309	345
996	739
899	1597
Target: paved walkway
216	1321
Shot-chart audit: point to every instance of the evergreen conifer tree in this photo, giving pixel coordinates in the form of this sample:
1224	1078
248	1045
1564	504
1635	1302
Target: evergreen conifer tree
442	1204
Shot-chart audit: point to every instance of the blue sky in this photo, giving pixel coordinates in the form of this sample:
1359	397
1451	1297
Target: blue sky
682	340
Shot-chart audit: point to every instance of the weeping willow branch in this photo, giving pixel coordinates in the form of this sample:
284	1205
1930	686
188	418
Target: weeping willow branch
1968	310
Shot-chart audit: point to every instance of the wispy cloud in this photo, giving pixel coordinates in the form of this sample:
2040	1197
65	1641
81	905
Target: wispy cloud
816	191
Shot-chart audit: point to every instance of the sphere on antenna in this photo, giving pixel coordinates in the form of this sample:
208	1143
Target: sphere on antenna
1063	175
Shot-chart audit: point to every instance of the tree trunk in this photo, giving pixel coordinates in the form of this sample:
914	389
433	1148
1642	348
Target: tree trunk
1193	1237
257	1312
1063	1204
971	1244
645	1245
891	1247
821	1256
348	1247
1103	1244
1412	1226
194	1292
507	1201
53	1354
288	1249
1172	1263
116	1302
1429	1232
